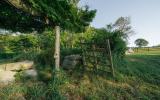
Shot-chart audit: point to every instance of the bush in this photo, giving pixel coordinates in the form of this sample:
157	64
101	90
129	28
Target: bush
7	55
118	44
45	58
44	73
20	47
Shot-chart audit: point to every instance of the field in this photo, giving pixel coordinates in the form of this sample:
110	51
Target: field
148	51
137	77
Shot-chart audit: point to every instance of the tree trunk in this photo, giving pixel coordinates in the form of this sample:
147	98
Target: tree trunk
57	48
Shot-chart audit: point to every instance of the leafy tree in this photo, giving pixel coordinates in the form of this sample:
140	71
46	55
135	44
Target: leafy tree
14	19
122	24
58	14
141	42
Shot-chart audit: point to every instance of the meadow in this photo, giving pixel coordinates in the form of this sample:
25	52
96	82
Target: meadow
137	77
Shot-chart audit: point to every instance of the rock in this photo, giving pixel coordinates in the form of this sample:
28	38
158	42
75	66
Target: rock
9	70
17	66
71	61
30	73
7	76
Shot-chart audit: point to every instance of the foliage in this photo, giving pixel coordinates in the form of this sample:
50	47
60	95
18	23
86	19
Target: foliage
46	39
117	33
123	24
20	45
65	13
58	11
45	57
24	43
16	20
118	44
5	43
141	42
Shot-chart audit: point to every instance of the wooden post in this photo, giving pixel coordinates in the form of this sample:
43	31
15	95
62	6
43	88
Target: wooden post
110	58
57	48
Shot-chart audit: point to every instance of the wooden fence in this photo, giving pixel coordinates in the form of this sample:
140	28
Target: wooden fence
97	54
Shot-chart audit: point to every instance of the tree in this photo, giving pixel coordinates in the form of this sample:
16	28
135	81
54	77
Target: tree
123	24
141	42
15	19
59	14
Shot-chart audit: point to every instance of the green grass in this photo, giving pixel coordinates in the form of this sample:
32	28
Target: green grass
137	77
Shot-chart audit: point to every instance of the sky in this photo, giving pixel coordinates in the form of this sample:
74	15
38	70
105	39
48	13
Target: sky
144	14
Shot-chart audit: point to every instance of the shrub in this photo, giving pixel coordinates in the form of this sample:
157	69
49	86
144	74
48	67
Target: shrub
44	73
7	55
118	44
45	57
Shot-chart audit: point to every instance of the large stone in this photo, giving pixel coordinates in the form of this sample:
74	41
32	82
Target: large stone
71	61
24	65
9	70
7	76
30	73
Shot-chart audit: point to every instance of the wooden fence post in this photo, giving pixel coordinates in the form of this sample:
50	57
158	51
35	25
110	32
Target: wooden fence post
110	58
57	48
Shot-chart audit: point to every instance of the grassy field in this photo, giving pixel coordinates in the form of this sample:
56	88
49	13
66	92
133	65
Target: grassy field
137	77
142	73
147	51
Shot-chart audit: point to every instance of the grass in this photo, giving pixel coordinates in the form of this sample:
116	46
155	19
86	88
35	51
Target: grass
137	77
142	72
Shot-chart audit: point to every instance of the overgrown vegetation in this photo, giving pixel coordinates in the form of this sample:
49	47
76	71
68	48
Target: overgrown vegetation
137	75
136	78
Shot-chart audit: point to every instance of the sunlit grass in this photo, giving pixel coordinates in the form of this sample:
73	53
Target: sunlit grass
147	51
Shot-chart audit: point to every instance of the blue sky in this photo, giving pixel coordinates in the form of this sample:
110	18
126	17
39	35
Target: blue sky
145	16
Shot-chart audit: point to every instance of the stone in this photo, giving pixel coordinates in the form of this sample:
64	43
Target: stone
9	70
17	66
7	76
30	73
71	61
